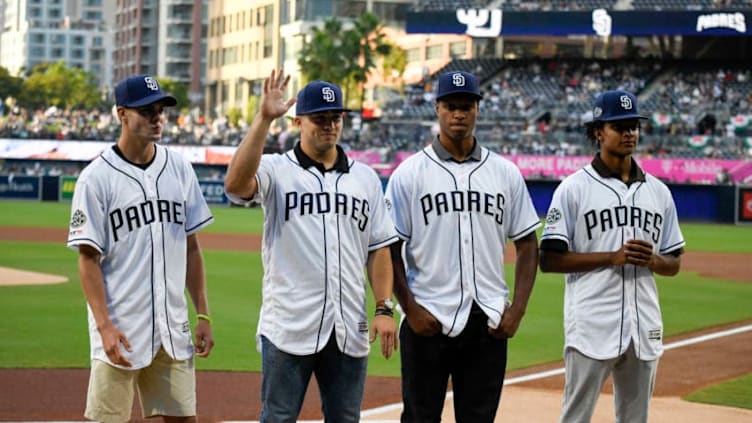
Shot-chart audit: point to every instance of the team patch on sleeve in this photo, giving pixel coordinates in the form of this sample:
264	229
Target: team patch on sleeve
78	219
554	215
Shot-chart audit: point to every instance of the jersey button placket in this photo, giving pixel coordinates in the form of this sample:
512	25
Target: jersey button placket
150	186
466	250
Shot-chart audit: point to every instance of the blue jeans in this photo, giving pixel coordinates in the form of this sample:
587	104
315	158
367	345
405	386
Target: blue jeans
285	379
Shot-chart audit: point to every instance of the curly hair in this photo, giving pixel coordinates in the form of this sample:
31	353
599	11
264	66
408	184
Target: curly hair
590	128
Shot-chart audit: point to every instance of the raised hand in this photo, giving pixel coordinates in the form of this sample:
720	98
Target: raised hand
273	104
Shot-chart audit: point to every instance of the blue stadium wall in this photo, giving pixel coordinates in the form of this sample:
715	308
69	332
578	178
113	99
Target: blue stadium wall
702	203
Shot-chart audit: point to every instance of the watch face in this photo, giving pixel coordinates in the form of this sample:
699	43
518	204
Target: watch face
388	304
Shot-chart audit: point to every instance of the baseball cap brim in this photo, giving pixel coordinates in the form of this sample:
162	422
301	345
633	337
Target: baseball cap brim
322	109
621	117
460	92
169	101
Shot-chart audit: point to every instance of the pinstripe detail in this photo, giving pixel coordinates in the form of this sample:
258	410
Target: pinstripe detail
623	270
339	266
326	263
472	240
525	232
200	224
459	239
638	348
153	310
164	253
673	247
76	241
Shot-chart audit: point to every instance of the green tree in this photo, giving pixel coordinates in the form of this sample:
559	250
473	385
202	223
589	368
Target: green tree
10	85
234	114
323	57
394	63
368	43
55	84
344	57
177	89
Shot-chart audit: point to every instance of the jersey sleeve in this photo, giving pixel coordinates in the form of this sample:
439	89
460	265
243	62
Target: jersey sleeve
672	239
560	217
88	222
524	219
198	213
382	228
264	180
397	200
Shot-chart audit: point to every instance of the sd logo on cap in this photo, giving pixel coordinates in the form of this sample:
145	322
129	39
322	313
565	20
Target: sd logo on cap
458	82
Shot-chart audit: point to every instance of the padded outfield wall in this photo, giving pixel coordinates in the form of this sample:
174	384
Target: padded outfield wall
701	203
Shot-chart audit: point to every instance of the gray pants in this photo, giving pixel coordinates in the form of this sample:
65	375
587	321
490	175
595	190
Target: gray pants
634	380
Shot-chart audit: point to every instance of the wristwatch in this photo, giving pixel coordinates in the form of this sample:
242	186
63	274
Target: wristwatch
386	304
384	307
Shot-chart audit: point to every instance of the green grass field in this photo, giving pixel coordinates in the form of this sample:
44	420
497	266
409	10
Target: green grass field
734	393
45	326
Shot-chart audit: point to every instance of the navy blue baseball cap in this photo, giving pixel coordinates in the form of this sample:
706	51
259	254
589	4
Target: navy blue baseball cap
615	105
319	96
458	82
141	90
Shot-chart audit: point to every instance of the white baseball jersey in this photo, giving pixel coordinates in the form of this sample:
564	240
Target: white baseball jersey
606	308
318	231
139	219
455	219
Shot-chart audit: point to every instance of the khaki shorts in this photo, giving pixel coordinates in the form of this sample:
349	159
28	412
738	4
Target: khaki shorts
165	388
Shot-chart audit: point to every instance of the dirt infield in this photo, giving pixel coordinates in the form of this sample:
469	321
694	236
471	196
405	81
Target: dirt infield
58	394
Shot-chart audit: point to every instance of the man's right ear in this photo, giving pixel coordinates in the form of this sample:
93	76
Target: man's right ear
120	111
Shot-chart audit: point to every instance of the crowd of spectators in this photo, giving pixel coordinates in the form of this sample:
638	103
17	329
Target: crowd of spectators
529	107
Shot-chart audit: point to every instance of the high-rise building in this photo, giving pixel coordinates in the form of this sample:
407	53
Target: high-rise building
246	39
164	38
48	31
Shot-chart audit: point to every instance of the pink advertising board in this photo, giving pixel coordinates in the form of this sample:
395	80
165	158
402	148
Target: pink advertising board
672	170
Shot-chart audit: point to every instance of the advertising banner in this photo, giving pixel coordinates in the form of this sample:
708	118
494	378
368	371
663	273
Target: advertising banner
743	204
20	187
214	191
67	185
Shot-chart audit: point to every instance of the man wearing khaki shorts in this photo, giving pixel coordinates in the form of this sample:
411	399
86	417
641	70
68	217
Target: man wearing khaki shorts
165	388
135	215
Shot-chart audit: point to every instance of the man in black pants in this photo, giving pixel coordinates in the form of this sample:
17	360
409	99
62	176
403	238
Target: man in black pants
454	205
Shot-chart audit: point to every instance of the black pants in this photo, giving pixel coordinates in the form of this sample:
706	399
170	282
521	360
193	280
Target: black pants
476	361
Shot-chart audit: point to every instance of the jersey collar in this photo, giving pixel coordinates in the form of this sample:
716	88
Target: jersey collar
635	173
142	166
444	155
340	164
